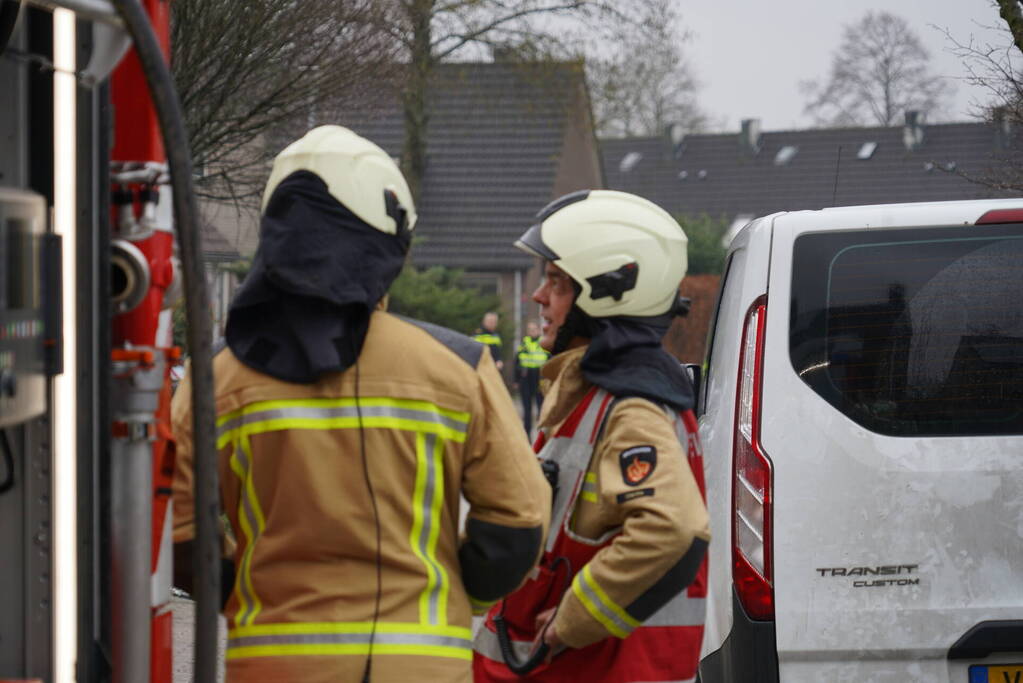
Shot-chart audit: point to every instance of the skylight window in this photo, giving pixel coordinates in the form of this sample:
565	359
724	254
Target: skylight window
866	150
629	161
785	155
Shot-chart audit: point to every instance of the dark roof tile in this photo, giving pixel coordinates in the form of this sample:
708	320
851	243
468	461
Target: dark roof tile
737	183
494	139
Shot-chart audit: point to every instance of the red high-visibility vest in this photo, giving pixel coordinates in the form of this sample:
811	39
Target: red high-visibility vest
666	647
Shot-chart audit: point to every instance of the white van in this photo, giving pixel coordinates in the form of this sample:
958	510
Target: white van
862	423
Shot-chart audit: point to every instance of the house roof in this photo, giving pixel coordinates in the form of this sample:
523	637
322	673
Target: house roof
215	246
494	141
711	174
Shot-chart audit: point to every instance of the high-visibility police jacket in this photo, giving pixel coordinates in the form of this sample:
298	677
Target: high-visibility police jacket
625	559
530	355
427	412
492	340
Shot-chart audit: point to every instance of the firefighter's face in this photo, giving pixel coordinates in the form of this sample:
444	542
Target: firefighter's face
555	296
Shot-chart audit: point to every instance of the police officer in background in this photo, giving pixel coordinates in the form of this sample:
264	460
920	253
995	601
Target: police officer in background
529	358
619	595
346	436
487	334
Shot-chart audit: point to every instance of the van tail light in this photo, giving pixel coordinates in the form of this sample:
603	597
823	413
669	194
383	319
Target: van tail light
996	216
752	483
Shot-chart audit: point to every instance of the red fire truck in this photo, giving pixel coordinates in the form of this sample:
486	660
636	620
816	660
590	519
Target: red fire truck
98	239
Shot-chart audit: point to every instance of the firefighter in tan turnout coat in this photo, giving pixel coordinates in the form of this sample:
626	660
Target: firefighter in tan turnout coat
619	595
345	437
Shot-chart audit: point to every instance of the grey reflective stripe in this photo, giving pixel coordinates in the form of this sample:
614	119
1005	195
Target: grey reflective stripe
311	413
590	487
244	575
349	639
486	644
430	490
573	457
680	611
599	603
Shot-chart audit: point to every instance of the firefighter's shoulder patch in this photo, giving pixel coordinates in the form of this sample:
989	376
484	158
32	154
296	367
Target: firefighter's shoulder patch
637	464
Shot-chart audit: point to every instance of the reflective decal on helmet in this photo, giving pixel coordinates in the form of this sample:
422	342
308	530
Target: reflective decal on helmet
615	283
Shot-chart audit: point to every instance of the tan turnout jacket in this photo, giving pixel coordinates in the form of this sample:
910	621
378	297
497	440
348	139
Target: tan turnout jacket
436	421
659	518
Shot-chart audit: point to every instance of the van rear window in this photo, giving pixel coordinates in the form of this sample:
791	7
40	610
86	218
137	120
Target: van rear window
913	332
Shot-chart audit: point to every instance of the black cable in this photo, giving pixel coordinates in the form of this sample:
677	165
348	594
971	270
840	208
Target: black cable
376	520
8	483
200	336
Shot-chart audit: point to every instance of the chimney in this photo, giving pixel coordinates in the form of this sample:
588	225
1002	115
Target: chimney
676	133
1000	117
505	53
749	138
913	131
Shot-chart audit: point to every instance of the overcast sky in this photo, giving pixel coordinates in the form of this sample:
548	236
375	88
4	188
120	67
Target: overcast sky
751	55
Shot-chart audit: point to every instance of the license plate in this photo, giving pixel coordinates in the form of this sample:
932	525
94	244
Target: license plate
1009	673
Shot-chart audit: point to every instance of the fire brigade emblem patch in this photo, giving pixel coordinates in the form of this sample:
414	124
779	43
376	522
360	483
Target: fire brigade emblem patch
637	464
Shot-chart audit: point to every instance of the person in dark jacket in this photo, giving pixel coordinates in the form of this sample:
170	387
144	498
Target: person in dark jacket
487	334
529	358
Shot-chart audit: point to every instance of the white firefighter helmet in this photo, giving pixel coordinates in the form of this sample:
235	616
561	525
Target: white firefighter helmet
627	254
358	173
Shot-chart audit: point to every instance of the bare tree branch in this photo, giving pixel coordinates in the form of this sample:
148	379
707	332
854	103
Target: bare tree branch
642	83
244	68
435	30
880	70
994	67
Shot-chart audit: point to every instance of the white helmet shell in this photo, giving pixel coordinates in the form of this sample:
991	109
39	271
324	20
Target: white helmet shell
626	253
357	173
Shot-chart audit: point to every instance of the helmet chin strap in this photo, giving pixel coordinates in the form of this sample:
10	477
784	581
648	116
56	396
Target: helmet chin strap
577	323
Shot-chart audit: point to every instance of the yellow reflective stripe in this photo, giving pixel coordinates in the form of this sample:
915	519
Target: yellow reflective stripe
341	638
436	505
322	627
349	649
487	338
589	489
240	586
427	498
346	402
250	516
342	413
479	607
600	606
280	424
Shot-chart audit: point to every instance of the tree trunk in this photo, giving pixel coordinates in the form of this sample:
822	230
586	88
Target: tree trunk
416	110
1013	16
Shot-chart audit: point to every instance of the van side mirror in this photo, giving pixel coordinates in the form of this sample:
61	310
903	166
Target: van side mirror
695	372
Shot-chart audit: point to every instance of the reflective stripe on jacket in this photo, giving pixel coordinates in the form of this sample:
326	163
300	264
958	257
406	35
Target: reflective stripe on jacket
530	355
626	566
431	420
492	341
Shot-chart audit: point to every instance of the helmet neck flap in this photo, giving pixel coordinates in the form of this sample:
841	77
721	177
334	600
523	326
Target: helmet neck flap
318	273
